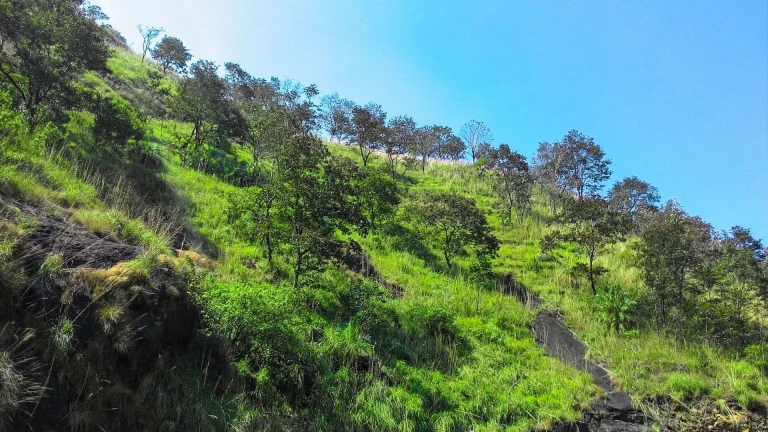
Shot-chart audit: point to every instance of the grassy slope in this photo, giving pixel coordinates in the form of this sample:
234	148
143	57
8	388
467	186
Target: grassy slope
647	364
503	381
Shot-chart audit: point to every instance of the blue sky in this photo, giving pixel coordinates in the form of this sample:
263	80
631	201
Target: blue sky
676	92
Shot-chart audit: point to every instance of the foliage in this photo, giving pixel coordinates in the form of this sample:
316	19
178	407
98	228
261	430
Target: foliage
631	193
401	133
575	164
615	305
46	44
481	275
368	129
454	223
592	225
115	123
336	115
339	351
379	197
171	54
148	36
513	181
202	101
673	246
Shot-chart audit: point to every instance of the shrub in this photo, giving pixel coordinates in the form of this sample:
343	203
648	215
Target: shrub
683	386
757	354
51	267
614	306
433	320
11	123
116	122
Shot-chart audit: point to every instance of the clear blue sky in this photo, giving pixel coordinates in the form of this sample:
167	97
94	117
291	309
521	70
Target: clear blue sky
675	91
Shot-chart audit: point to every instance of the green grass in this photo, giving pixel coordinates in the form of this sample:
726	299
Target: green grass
527	389
646	364
452	361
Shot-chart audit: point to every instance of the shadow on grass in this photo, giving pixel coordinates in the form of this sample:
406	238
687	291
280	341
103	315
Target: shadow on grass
133	183
405	239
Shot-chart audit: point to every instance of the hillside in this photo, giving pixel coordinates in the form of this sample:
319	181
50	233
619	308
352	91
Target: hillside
163	270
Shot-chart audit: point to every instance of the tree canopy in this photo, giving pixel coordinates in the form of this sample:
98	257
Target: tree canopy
454	223
46	44
171	54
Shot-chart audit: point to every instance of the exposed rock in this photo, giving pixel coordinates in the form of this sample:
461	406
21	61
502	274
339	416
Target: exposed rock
360	263
77	246
614	411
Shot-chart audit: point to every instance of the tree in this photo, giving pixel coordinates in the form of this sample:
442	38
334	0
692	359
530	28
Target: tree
336	115
513	180
672	246
592	225
46	44
423	145
454	148
202	101
369	129
548	171
742	286
401	133
171	53
315	203
116	122
481	275
454	223
441	136
631	193
148	36
584	167
378	197
475	134
298	102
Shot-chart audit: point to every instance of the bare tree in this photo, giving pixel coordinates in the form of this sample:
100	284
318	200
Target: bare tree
148	35
475	134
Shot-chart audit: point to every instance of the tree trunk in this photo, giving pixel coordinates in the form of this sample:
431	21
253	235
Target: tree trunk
363	156
592	274
297	271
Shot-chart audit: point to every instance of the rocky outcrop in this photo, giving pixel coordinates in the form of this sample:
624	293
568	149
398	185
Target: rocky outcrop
613	412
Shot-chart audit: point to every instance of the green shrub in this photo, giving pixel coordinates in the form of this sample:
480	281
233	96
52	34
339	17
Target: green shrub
683	386
61	337
11	123
757	354
614	305
116	122
433	320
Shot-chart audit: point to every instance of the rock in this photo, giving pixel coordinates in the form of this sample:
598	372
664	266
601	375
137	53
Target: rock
620	426
77	246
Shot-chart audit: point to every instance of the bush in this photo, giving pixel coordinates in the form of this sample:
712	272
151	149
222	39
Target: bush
434	320
685	387
757	354
11	123
116	122
614	305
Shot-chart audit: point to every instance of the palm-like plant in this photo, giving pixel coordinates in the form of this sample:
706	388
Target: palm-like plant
614	305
